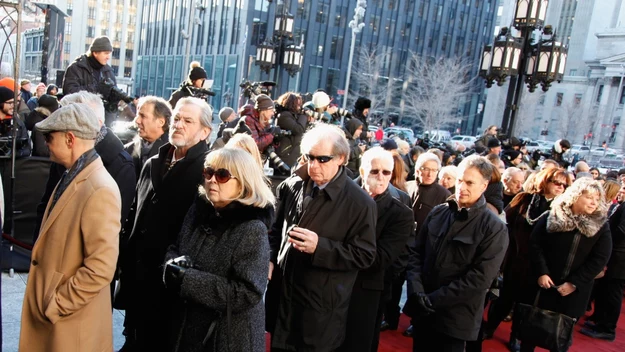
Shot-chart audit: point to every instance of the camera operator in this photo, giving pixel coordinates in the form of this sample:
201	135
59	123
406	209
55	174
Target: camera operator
228	118
481	145
258	119
320	108
290	118
91	72
190	86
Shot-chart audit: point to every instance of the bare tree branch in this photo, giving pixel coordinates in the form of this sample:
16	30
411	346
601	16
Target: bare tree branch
435	89
369	80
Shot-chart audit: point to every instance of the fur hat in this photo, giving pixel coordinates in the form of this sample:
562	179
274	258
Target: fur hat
362	103
561	217
77	118
101	44
49	102
493	143
196	71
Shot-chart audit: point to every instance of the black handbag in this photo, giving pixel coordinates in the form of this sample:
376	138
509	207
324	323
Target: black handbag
545	328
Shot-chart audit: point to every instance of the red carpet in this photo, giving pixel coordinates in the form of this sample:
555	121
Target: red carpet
393	341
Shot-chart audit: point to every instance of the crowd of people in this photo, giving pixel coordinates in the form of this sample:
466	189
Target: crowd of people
202	254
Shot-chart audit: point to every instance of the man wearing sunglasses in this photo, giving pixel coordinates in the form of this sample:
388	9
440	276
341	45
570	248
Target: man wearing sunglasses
324	234
166	189
394	226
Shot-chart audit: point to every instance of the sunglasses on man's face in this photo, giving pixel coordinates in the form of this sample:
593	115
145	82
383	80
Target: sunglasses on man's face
221	175
384	172
321	158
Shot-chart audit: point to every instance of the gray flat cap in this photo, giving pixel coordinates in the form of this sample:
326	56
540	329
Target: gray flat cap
77	118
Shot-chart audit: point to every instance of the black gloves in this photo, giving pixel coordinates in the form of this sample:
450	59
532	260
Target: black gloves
174	270
418	305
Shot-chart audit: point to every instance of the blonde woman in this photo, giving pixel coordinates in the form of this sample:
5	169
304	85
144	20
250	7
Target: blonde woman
217	270
246	142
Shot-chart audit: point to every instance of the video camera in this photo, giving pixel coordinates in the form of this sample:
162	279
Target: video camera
112	93
252	89
201	93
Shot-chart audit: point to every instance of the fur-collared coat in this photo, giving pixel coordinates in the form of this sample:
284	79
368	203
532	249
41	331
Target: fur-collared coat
230	253
550	244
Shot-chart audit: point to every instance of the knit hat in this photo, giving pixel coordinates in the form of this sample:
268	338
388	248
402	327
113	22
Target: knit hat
78	118
511	154
101	44
6	94
224	113
7	82
49	102
493	143
515	142
389	144
362	103
320	100
196	71
263	102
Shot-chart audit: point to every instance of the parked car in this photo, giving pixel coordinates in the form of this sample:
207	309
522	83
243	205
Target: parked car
402	132
467	141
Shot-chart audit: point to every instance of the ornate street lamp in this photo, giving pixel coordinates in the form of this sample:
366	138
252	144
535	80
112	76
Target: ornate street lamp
530	13
265	56
546	63
279	51
521	60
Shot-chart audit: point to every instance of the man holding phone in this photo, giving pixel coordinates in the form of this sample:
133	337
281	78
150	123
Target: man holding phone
323	235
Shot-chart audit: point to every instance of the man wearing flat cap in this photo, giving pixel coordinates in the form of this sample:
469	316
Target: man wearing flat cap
67	303
91	72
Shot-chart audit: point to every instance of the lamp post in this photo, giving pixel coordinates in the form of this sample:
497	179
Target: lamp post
356	24
280	51
523	61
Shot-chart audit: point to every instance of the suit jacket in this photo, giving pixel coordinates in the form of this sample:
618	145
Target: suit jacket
67	303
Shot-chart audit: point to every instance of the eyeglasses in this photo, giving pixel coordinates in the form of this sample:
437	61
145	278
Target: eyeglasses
384	172
427	169
558	183
10	102
221	175
47	137
321	158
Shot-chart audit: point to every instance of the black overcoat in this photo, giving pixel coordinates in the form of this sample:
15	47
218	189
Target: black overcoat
456	257
616	265
230	255
134	149
289	146
394	226
549	252
314	290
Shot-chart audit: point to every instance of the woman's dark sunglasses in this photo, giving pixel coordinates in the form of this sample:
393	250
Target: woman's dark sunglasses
221	175
384	172
321	158
558	183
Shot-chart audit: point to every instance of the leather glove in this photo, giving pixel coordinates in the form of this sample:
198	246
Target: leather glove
104	89
418	305
174	270
173	276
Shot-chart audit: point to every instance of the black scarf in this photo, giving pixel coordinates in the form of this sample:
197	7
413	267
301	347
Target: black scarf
94	63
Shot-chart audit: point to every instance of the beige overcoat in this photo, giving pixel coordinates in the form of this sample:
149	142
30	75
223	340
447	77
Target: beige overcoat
67	303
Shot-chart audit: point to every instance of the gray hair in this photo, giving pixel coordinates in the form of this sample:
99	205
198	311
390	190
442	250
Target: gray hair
482	165
324	131
581	166
374	153
160	108
206	111
93	100
450	169
425	157
510	172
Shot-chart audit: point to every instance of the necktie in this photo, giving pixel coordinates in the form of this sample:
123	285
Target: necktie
315	192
